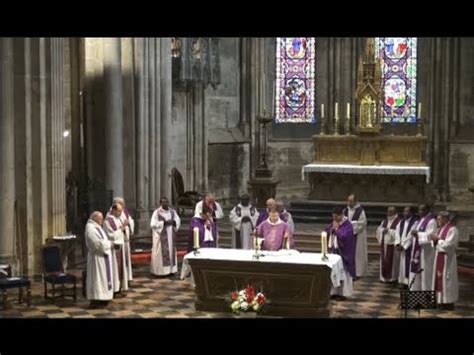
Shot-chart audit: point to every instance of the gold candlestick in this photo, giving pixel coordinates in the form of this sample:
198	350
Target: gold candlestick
336	124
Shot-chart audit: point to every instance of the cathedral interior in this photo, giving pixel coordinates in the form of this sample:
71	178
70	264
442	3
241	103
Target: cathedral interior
84	120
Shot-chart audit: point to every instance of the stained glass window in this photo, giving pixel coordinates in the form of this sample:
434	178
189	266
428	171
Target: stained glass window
295	70
398	59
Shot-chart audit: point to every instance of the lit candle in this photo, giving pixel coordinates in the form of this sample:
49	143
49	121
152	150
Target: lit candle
348	110
322	110
324	242
419	110
336	113
196	237
287	243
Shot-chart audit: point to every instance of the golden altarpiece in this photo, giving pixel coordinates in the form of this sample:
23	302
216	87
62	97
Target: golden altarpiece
374	165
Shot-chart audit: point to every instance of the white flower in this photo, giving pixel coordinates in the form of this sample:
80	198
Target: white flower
256	306
235	306
244	306
242	293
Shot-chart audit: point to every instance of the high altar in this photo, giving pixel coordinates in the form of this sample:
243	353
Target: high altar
374	166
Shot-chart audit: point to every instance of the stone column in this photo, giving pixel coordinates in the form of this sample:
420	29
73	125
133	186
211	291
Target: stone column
166	87
58	177
152	121
7	154
157	114
113	115
140	63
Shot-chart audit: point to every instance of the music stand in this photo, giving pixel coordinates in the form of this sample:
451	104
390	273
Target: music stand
417	300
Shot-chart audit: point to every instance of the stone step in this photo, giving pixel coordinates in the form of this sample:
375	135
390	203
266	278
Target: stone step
466	260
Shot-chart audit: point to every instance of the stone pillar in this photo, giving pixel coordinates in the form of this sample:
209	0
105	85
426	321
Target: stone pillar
140	117
152	122
166	87
57	193
7	154
157	118
113	115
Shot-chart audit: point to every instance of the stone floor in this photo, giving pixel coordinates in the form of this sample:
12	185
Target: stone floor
152	297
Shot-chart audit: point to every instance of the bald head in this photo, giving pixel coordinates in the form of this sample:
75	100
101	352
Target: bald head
351	200
209	199
97	217
119	200
271	204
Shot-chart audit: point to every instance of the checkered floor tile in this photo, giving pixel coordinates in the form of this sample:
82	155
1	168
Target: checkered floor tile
153	297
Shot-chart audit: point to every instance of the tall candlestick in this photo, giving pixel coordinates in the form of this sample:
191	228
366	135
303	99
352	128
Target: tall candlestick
324	243
348	110
322	110
196	237
419	110
336	110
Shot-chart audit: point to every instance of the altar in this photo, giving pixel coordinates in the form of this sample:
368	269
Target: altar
395	183
376	167
297	284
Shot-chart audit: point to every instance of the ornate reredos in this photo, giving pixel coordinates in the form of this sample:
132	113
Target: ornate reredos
369	90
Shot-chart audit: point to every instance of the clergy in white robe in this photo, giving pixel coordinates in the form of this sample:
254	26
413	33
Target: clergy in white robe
423	252
356	215
127	220
164	224
243	218
210	202
285	216
386	236
99	288
115	229
403	243
445	280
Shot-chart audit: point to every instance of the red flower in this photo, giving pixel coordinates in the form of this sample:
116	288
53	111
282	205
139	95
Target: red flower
250	293
261	299
234	296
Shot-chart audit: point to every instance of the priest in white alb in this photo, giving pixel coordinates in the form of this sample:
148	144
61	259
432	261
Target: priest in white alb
445	280
356	215
403	243
243	218
115	230
386	237
99	282
165	223
423	251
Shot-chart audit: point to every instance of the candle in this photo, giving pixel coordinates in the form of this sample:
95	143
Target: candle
336	113
287	243
322	110
196	237
419	110
324	242
348	110
391	112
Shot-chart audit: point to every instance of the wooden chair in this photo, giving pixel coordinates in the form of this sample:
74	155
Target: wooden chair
54	274
7	282
183	200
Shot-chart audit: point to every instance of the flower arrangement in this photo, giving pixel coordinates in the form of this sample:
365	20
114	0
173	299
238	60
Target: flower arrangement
247	300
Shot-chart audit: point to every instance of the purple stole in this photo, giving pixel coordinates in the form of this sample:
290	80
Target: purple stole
167	255
386	259
355	216
413	219
415	263
107	264
118	255
440	260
